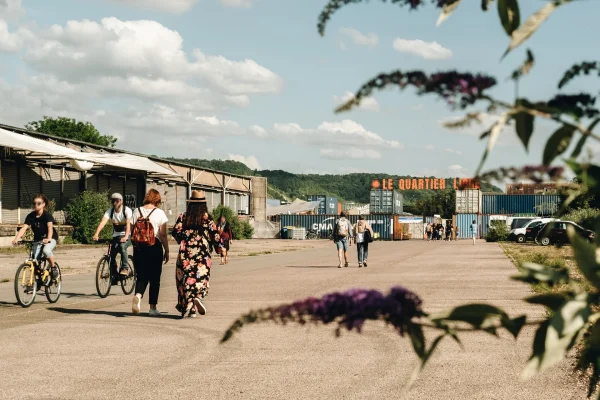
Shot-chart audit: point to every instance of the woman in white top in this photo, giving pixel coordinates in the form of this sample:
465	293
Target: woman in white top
362	244
148	260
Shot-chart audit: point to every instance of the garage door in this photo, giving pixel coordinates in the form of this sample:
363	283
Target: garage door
10	201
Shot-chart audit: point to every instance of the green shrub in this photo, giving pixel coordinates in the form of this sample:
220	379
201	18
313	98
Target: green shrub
84	213
498	232
586	217
240	229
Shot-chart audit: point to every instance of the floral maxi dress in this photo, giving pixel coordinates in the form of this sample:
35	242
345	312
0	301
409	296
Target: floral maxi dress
192	271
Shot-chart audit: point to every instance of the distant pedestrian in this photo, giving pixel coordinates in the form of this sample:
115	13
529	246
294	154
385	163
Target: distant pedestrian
429	231
441	232
226	238
456	232
448	231
151	249
474	231
363	232
193	231
342	232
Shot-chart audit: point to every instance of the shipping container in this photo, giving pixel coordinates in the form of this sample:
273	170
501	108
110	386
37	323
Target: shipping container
468	201
486	222
339	210
464	222
542	205
409	228
324	224
386	202
273	203
331	205
322	199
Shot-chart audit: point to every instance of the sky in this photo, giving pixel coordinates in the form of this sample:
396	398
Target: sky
253	81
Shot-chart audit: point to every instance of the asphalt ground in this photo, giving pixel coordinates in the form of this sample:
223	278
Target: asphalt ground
92	348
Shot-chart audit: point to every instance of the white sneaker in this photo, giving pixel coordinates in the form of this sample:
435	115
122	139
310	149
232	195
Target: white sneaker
154	313
199	306
135	307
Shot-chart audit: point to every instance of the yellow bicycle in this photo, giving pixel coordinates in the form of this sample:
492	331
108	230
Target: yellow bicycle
32	276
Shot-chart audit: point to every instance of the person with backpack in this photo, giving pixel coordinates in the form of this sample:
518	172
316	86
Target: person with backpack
342	232
429	230
193	231
151	249
120	217
363	236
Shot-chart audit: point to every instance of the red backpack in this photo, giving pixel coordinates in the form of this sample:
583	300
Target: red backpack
143	231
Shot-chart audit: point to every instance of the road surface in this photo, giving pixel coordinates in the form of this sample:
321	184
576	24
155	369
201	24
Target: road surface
86	347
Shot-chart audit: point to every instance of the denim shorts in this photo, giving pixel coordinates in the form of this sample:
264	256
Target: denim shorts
342	244
39	248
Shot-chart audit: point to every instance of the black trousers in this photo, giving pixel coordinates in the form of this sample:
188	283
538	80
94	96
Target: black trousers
148	261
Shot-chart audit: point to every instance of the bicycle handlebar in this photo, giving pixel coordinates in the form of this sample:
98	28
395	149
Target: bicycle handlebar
103	241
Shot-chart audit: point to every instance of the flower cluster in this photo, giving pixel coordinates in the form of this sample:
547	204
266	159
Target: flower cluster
534	173
577	105
348	309
456	88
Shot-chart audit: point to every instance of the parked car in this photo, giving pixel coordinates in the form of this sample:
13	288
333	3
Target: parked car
518	222
556	233
520	235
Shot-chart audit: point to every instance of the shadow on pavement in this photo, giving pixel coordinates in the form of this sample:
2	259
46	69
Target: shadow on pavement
70	295
311	266
117	314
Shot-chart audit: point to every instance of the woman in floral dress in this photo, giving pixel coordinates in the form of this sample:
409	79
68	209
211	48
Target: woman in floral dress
194	230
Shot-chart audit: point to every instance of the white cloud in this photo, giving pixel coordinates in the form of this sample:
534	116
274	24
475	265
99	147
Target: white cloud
360	39
458	170
237	3
353	133
350	153
342	45
259	131
171	6
453	151
427	50
10	9
251	161
9	42
368	103
429	147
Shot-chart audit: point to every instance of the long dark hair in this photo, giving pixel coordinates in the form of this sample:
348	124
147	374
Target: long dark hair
194	215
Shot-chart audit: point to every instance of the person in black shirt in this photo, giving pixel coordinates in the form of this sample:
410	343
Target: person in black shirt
45	236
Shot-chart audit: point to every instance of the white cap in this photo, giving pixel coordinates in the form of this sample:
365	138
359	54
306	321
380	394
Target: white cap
116	196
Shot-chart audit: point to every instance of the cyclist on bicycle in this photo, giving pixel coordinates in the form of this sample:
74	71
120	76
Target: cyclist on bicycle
45	236
120	216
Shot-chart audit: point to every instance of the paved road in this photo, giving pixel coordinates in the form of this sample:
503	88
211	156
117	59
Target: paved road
85	347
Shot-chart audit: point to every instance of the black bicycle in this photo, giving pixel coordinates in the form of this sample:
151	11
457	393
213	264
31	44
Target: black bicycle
33	275
105	274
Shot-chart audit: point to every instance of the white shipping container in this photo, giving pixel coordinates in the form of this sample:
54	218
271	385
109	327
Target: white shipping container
468	201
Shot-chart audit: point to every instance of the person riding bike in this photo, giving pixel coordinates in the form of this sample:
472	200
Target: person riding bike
120	216
45	236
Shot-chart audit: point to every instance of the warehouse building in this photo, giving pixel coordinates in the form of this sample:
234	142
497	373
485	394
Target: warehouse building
32	162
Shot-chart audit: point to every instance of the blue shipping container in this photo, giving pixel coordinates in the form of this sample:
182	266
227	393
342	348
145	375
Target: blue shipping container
322	199
331	205
324	224
543	205
464	222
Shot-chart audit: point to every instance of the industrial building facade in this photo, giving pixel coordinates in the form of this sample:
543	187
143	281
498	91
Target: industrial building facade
32	163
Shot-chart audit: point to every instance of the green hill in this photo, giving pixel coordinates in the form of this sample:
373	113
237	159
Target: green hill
350	187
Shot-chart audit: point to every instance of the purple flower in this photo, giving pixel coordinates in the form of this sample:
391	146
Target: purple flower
348	309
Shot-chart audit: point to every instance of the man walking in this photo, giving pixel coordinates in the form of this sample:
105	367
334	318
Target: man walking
474	231
342	232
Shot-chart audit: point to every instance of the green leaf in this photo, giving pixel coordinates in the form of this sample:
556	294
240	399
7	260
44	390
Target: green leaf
493	137
447	10
579	147
514	325
558	143
528	28
556	337
551	300
508	10
417	339
524	124
590	356
424	360
478	315
535	273
485	4
588	260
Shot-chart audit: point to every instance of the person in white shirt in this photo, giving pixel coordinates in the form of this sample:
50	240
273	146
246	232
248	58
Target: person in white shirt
120	216
148	259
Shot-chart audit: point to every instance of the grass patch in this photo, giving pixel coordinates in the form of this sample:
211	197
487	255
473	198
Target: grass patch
550	256
13	250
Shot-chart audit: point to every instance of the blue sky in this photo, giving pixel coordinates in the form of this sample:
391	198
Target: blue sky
264	89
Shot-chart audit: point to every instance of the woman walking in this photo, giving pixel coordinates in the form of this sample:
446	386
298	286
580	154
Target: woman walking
194	230
362	244
226	235
150	251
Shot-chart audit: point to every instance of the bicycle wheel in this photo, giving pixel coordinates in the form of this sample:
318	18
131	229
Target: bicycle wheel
103	278
54	287
128	282
25	285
